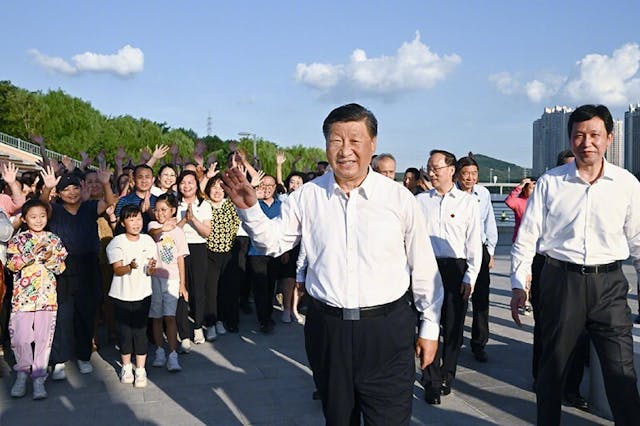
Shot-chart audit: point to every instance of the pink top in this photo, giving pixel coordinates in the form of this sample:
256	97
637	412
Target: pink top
518	205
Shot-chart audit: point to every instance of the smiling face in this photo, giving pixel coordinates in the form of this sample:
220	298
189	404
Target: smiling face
349	151
589	141
167	178
216	193
295	182
164	211
188	187
36	219
71	194
268	187
440	174
143	179
467	177
96	190
133	224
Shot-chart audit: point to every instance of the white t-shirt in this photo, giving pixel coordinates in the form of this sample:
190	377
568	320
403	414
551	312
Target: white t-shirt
202	212
136	285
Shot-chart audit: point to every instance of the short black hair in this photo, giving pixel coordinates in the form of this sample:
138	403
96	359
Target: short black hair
449	158
587	112
413	170
323	163
350	112
469	160
210	183
142	167
563	155
34	202
130	210
168	198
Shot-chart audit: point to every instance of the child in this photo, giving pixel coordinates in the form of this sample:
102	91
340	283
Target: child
169	279
35	256
132	256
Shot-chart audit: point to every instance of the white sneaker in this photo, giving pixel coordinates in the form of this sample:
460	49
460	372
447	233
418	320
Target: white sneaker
39	392
198	336
19	388
286	316
58	372
141	378
160	359
220	328
172	362
85	367
211	334
126	374
185	346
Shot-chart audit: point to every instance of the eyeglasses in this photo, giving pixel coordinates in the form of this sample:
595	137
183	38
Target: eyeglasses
435	170
264	185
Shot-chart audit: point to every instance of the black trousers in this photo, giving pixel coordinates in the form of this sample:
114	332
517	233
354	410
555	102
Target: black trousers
263	273
569	302
579	356
196	269
363	368
239	269
454	309
480	303
215	290
131	322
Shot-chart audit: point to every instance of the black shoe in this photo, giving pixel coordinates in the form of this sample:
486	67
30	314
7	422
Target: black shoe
445	388
480	355
431	395
576	400
267	327
316	395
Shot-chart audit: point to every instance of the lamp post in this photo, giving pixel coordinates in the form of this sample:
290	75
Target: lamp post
490	174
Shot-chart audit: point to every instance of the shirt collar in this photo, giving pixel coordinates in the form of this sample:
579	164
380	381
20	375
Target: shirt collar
572	171
454	192
366	188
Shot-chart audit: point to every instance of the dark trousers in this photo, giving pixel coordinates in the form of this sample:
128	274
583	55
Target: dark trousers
454	309
196	267
363	368
131	322
580	355
214	292
239	267
569	302
263	273
79	291
480	303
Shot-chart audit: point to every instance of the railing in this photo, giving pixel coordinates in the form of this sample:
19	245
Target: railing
31	148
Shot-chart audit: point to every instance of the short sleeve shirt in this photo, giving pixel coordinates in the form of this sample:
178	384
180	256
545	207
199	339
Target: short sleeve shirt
171	245
136	285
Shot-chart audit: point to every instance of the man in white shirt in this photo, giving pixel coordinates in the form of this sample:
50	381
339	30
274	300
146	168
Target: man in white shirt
467	180
453	223
361	251
585	217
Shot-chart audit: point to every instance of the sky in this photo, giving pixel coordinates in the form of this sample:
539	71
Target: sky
457	75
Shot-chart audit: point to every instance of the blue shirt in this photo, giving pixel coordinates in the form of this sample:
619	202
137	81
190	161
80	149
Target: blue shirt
271	211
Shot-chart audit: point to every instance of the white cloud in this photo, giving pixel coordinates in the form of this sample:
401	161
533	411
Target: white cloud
613	80
414	67
128	60
52	63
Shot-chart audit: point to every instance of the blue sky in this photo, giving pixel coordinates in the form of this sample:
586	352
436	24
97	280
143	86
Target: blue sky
460	76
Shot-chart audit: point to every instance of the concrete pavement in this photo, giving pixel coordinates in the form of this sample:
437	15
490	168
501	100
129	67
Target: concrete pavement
251	378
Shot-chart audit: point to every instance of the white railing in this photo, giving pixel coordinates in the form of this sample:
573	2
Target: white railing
31	148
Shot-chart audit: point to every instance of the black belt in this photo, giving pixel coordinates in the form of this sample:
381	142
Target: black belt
355	314
584	269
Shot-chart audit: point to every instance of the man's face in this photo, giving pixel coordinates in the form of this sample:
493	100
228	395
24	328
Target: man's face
143	179
467	177
349	151
268	186
589	141
387	167
440	175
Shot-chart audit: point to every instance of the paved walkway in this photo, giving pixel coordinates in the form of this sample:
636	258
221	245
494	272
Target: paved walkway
250	378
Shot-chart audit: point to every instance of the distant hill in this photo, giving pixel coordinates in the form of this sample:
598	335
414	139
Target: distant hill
506	172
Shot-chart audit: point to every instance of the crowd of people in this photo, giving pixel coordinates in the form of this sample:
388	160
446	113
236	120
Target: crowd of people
170	254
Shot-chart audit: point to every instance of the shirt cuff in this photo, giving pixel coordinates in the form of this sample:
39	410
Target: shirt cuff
429	330
491	250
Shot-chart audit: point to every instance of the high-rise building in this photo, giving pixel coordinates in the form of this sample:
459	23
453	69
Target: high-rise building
549	138
615	152
632	139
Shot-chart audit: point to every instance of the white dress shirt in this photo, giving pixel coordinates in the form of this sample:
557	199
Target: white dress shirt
453	225
488	227
361	248
574	221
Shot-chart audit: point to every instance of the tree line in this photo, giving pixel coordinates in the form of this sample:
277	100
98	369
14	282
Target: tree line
71	126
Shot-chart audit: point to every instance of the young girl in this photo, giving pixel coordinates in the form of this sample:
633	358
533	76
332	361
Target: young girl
35	256
169	279
132	256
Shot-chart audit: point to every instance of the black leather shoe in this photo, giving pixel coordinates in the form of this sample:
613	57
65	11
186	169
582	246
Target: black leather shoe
445	388
576	400
480	355
431	395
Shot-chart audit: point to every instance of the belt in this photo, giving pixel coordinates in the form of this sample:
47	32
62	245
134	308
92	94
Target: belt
585	269
355	314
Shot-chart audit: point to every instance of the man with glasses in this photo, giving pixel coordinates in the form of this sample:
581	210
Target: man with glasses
453	224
